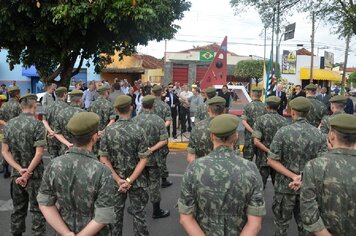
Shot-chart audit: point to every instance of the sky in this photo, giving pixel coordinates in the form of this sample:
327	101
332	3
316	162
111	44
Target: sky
210	21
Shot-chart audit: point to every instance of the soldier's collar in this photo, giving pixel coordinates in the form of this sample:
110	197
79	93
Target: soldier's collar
311	97
124	119
345	151
81	151
272	111
26	114
299	119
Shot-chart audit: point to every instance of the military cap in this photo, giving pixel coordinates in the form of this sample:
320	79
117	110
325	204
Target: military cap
122	101
156	88
301	104
13	89
83	123
102	89
148	99
338	99
28	97
210	91
223	125
216	100
273	99
344	123
76	92
61	90
311	87
256	89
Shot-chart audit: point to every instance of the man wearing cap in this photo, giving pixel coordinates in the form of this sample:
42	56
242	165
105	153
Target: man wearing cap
251	111
77	193
124	149
337	105
162	109
264	130
63	117
157	137
9	110
328	191
221	193
202	110
200	143
317	108
50	114
292	147
23	147
105	110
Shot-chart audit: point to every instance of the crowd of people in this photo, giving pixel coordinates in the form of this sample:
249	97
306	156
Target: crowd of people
110	143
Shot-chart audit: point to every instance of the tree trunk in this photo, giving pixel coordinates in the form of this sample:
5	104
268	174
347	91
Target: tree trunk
67	72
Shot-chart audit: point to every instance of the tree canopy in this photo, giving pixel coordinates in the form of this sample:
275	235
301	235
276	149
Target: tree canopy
52	35
352	79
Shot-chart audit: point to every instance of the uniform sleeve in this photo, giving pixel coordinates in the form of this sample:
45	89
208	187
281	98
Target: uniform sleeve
257	129
2	117
112	114
163	133
186	201
46	195
167	115
192	141
104	148
105	201
324	125
40	135
142	144
6	134
256	205
308	202
245	113
276	146
57	124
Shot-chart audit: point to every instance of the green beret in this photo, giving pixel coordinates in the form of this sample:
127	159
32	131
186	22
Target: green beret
338	99
256	89
148	99
102	89
273	99
83	123
210	91
301	104
61	90
28	96
13	89
157	88
344	123
311	87
122	101
216	100
223	125
76	92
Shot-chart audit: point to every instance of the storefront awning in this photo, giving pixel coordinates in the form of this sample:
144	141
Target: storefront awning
320	74
30	72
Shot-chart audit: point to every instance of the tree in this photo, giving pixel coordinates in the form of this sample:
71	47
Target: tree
352	79
53	34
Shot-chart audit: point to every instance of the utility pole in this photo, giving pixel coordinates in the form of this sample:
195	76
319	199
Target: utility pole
273	26
348	37
264	45
312	48
277	36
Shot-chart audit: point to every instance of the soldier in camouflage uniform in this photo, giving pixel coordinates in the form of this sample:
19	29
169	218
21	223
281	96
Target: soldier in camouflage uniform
264	130
50	114
63	117
222	193
317	109
337	106
162	109
202	110
292	147
105	110
328	191
200	143
157	137
23	147
47	98
9	110
124	149
85	205
251	111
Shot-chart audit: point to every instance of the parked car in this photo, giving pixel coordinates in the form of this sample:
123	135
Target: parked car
40	95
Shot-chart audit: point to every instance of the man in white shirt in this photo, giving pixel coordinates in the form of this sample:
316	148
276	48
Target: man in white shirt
184	97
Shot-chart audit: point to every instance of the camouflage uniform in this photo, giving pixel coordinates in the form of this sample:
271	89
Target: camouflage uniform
265	128
200	143
220	190
162	109
61	121
328	193
47	100
325	122
105	110
293	146
23	134
317	111
50	114
91	196
251	112
124	143
202	113
155	132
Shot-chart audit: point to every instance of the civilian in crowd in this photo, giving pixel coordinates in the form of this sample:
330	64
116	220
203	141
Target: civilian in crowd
349	107
90	94
184	97
227	96
195	101
116	91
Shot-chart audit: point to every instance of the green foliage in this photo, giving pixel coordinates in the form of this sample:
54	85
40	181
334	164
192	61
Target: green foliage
352	79
52	35
252	69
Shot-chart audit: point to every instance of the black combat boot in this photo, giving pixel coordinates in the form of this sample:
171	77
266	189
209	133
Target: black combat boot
166	183
158	212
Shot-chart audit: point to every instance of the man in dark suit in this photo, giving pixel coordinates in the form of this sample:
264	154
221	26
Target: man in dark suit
281	94
324	97
173	102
